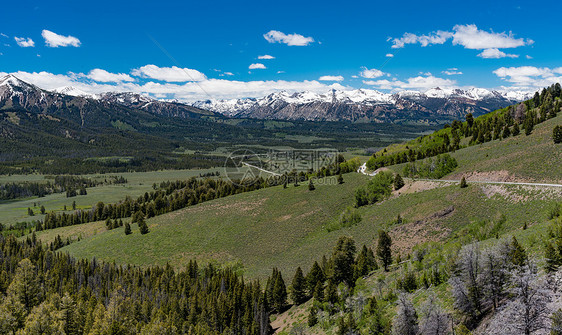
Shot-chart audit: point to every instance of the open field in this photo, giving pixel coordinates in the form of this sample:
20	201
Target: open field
12	211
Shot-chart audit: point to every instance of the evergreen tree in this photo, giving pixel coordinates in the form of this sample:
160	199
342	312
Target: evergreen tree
74	205
318	293
340	178
398	182
552	259
42	209
143	228
331	294
128	229
298	287
517	254
312	317
315	276
30	211
516	129
557	134
365	262
384	249
25	285
463	183
506	132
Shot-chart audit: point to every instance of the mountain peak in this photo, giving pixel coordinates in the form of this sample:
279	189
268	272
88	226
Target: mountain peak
13	81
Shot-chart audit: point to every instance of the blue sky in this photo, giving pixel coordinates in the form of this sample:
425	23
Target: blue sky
194	50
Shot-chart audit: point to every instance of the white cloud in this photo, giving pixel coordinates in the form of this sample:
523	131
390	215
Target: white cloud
24	42
54	40
275	36
256	66
228	74
107	77
419	82
438	37
529	77
4	35
495	53
331	78
371	73
279	72
189	91
452	71
528	57
468	36
471	37
266	57
389	55
169	74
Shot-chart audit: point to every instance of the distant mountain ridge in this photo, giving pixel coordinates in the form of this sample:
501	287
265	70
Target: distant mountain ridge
366	105
361	105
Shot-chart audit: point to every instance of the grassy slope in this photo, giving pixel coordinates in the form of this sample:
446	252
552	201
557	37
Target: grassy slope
533	158
285	228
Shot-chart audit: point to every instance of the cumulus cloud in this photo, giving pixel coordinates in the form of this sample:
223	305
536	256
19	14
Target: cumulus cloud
371	73
331	78
108	77
275	36
266	57
438	37
55	40
495	53
530	77
452	71
471	37
24	42
468	36
256	66
418	83
389	55
169	74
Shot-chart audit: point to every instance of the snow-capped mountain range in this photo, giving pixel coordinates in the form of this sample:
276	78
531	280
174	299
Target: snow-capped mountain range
335	105
17	93
365	104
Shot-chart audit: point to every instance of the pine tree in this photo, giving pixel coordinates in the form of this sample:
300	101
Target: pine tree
74	205
506	132
143	228
315	276
42	209
312	317
517	254
340	179
331	294
398	182
25	285
516	129
552	259
128	229
463	183
30	211
384	249
298	287
557	134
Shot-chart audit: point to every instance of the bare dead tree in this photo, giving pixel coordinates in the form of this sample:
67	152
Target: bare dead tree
406	320
434	321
